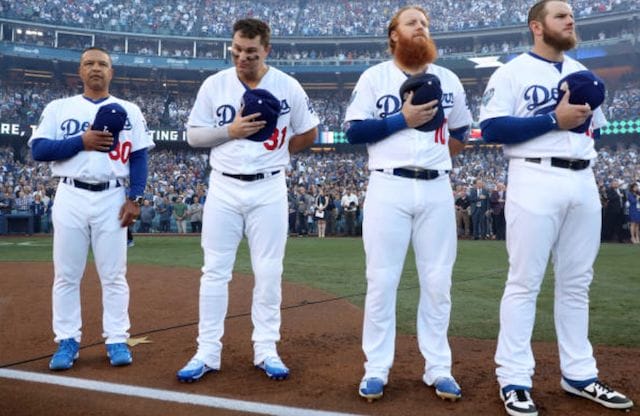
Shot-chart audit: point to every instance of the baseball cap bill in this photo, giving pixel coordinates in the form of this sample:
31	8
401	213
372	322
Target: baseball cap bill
112	118
261	101
586	88
425	87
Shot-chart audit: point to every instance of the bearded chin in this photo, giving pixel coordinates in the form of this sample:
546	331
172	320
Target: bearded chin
561	44
415	52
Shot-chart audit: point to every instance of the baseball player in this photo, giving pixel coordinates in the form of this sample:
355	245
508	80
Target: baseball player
247	192
92	207
552	206
409	198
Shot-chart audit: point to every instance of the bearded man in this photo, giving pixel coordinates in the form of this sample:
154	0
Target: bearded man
409	197
552	207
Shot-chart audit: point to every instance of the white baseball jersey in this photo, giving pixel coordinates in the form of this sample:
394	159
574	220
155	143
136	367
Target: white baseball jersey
528	86
377	95
71	116
216	106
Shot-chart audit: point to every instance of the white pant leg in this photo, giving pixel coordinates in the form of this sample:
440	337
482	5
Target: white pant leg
70	249
574	255
534	210
222	228
109	244
434	243
386	232
266	230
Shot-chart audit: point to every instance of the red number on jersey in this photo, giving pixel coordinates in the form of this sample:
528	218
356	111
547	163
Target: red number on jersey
272	142
439	136
122	151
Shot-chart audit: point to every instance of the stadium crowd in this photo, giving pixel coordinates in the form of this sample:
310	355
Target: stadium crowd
166	109
286	17
178	180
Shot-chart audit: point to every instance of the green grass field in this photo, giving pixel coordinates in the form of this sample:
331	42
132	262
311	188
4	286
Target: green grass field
337	266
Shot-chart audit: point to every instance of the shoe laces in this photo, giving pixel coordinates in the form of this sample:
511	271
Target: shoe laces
521	395
119	347
602	388
67	346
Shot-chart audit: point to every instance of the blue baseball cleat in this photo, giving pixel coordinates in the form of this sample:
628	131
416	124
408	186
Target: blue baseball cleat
447	388
274	368
371	388
64	357
193	371
119	354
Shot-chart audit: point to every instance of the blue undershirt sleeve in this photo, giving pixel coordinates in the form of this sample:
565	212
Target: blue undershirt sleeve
459	134
47	150
512	130
373	130
138	171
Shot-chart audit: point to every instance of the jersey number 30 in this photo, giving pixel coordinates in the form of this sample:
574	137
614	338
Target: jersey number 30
121	152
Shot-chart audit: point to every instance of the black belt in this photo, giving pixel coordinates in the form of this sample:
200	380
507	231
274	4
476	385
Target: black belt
573	164
95	187
251	178
414	173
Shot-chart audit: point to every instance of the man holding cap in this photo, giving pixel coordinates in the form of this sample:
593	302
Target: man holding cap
544	107
252	116
412	114
95	142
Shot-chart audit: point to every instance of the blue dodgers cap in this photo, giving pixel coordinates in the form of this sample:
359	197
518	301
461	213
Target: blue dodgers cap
425	87
112	118
261	101
586	88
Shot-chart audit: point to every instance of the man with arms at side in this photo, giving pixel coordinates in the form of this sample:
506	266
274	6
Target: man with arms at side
92	207
247	191
409	197
552	206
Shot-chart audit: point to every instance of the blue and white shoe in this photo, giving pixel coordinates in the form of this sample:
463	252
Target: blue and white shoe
599	392
119	354
371	388
65	356
447	388
274	368
193	371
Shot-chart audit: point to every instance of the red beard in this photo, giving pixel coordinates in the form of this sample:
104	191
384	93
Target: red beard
415	52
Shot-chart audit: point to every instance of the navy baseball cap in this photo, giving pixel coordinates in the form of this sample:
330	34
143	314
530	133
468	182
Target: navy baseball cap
425	87
261	101
586	88
112	118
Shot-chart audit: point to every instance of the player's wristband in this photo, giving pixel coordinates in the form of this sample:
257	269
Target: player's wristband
554	119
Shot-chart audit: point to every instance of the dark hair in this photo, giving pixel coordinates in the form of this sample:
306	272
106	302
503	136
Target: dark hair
95	48
539	11
393	24
250	28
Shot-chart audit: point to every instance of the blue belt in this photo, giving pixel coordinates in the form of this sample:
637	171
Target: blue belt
252	177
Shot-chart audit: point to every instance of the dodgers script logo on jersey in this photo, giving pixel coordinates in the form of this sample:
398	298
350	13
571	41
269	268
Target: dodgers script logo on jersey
72	127
226	112
390	104
537	96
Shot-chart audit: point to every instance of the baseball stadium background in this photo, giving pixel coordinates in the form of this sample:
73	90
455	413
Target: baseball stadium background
162	51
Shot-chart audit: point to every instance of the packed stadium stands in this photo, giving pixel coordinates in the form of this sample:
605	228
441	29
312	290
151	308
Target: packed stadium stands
286	17
324	43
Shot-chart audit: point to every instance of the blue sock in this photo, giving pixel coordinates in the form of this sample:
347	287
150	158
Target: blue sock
580	384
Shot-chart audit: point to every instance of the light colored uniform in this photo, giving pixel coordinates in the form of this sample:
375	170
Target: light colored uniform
548	209
257	208
83	218
398	210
